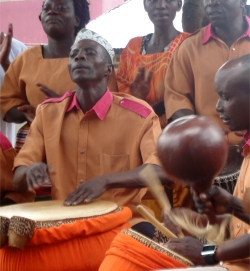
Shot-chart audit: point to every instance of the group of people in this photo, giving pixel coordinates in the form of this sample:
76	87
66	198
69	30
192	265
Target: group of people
98	129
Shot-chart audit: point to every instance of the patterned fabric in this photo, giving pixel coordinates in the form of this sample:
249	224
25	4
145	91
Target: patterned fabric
134	56
85	34
20	137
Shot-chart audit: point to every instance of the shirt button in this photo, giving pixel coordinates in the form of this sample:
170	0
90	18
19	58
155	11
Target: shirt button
83	122
122	101
238	225
248	156
68	92
82	152
241	191
81	181
233	49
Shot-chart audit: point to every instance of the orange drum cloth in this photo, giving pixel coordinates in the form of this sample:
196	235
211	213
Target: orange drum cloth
79	245
129	254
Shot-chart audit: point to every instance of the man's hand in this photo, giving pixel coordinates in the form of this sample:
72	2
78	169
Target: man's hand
216	199
48	92
37	174
141	85
187	247
86	192
5	46
29	112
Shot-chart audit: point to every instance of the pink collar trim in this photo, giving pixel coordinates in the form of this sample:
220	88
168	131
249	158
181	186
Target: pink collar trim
210	34
246	137
100	108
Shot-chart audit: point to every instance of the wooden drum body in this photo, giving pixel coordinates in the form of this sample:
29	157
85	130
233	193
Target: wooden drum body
46	235
131	251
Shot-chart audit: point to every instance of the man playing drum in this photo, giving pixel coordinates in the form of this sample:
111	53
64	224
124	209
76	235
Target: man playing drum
196	62
91	143
232	84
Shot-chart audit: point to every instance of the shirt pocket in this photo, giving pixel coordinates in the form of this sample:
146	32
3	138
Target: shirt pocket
113	163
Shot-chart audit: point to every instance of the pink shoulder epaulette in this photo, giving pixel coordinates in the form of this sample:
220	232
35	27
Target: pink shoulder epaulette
58	99
4	142
136	107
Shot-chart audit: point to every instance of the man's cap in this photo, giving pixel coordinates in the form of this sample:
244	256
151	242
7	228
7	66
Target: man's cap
86	34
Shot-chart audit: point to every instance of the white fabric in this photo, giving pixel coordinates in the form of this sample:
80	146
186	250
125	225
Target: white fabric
8	129
85	34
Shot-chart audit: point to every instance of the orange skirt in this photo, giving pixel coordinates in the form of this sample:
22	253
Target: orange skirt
131	251
80	245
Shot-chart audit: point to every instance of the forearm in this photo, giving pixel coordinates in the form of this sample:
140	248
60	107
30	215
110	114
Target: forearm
236	206
131	179
19	179
14	115
238	248
181	113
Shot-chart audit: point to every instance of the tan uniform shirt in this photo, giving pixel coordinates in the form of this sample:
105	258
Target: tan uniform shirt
189	81
81	146
19	85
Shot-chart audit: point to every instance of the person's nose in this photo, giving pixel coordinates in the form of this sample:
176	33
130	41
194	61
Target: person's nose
161	4
219	107
80	56
53	9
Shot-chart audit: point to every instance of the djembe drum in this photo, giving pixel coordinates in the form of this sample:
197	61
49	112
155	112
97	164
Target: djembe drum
227	178
131	251
46	235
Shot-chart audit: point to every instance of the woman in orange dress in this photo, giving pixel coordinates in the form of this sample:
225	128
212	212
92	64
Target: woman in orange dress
144	61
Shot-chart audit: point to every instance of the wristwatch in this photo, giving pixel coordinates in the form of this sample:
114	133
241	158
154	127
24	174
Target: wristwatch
208	254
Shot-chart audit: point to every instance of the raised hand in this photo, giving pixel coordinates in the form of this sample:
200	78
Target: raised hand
5	46
48	92
141	85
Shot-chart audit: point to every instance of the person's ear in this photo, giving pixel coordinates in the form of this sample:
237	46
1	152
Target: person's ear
179	5
109	69
77	21
144	5
243	3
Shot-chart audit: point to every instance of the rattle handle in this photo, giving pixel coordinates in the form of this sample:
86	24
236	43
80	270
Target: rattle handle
151	179
155	222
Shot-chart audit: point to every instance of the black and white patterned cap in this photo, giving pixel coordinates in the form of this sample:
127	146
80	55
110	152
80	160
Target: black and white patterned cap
86	34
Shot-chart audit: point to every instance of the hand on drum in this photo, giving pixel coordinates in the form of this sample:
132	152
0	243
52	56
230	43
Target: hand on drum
92	189
215	200
37	174
188	247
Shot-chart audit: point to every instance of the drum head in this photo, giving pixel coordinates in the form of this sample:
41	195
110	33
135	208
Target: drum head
55	210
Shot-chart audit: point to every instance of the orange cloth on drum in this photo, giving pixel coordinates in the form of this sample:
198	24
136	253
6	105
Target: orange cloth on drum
131	59
189	81
82	146
7	156
78	246
128	254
